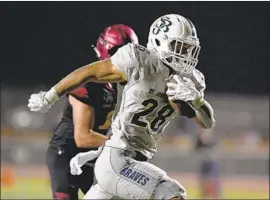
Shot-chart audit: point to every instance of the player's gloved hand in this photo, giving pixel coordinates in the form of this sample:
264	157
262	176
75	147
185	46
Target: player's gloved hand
43	101
184	89
81	158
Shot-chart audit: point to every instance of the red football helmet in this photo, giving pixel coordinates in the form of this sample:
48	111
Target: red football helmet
112	38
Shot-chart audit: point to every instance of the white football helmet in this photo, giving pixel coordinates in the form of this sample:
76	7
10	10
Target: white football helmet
174	40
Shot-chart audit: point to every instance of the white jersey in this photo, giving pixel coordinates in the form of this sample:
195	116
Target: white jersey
143	110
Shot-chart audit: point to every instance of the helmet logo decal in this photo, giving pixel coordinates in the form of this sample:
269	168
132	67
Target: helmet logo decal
162	25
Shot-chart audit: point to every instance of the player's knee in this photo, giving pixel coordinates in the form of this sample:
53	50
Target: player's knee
169	189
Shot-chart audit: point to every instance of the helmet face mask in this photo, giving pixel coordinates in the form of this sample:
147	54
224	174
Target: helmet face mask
175	43
182	56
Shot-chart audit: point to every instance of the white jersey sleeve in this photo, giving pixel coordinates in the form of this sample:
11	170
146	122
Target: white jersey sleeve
126	60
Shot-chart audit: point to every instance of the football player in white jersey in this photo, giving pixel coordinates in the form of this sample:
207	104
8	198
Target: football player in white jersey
162	73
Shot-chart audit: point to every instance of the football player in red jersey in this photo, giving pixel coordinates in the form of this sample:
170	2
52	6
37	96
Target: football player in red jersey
85	122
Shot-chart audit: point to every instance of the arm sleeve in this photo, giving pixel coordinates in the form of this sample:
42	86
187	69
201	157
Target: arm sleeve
185	109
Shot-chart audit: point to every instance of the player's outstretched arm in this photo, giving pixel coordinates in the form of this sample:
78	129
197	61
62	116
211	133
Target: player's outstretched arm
101	71
116	69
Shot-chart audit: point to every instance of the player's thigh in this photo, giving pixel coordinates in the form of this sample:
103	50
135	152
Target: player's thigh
130	179
148	181
58	166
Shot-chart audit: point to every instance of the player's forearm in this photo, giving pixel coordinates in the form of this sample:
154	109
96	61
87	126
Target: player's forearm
75	79
101	72
69	83
90	140
205	115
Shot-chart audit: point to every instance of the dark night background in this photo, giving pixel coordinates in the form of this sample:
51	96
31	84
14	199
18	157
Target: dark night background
43	41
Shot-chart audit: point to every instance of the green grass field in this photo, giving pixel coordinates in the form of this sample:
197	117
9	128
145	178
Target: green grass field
26	188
